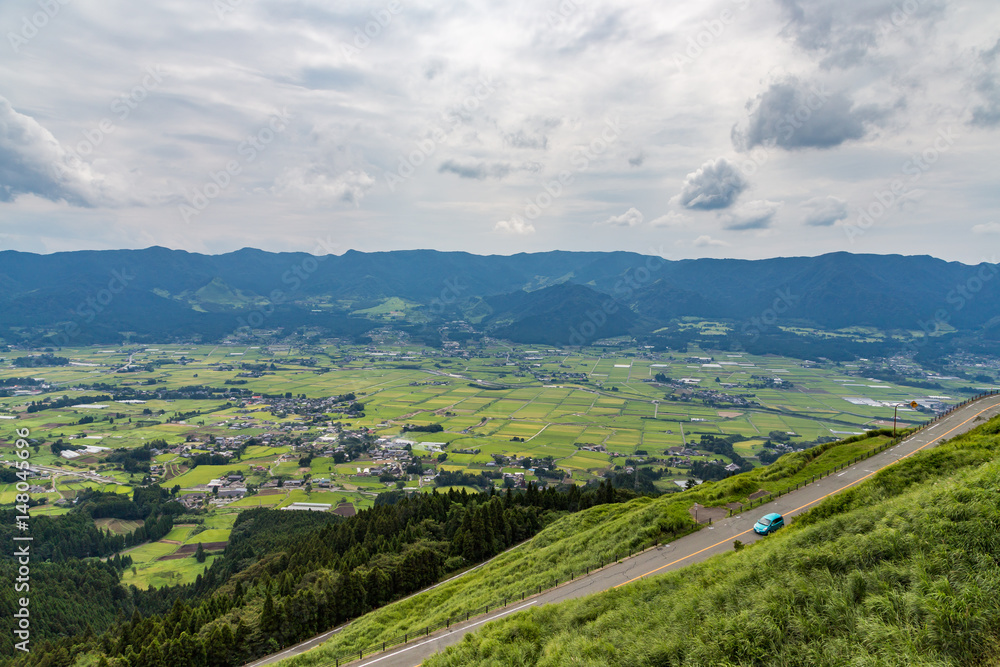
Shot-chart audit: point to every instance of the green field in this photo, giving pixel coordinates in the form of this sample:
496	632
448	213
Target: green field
573	544
540	413
210	535
162	573
897	571
179	533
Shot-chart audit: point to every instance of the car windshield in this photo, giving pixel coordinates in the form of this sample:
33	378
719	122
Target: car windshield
764	522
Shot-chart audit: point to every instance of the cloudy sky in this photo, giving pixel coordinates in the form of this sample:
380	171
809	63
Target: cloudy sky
732	128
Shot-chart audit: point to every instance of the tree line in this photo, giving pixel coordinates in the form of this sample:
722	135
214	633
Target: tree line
286	576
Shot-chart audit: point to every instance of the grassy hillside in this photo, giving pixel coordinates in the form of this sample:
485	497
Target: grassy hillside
577	542
901	570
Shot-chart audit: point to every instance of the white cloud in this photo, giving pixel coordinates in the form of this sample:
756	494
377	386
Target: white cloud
986	228
514	226
630	218
314	186
706	241
752	215
32	161
714	185
670	219
824	211
483	88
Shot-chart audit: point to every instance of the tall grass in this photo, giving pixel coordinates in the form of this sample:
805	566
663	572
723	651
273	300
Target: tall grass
573	544
902	570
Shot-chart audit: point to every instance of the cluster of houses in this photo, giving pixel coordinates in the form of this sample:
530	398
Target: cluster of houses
517	477
232	486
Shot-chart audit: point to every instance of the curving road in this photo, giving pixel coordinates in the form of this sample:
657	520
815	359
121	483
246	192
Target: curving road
686	550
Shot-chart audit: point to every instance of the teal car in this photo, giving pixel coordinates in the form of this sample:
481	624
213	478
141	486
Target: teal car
769	523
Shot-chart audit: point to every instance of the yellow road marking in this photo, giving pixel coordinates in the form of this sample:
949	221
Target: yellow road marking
818	499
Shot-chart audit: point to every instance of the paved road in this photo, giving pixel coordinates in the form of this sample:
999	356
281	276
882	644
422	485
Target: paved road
691	548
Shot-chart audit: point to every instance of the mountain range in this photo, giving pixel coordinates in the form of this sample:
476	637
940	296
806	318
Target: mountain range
553	297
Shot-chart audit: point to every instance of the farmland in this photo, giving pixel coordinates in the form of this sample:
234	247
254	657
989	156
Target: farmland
333	423
500	401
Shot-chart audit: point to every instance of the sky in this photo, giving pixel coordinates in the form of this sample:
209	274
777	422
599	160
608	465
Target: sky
729	128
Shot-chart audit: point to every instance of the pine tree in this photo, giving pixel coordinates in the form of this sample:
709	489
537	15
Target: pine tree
267	617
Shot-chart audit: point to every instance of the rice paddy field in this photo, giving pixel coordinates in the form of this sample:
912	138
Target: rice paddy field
589	410
514	401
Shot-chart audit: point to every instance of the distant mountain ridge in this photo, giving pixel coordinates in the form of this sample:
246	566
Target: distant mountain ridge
540	297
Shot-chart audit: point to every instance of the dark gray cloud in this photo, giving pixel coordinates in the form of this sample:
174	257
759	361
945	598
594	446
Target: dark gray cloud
533	134
752	215
33	162
824	211
715	185
987	85
421	79
479	171
844	32
793	114
521	139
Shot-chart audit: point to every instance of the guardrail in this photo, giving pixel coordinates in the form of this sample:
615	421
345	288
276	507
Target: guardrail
614	557
881	448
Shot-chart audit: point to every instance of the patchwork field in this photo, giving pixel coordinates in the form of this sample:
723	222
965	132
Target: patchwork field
542	403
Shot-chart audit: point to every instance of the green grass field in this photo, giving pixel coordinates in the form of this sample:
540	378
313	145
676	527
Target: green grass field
572	544
210	535
172	572
897	571
617	408
179	533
